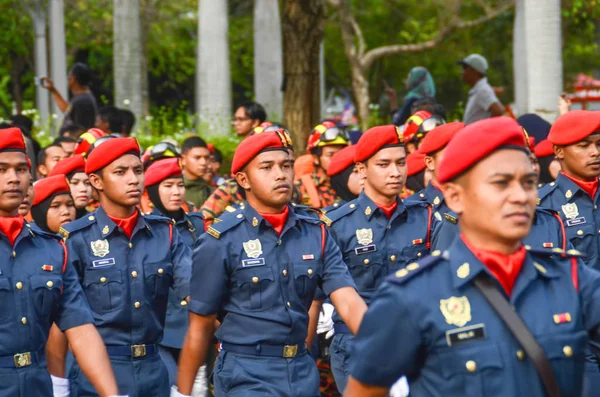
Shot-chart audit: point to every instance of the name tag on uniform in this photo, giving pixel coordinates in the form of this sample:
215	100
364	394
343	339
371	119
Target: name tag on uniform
253	262
575	222
103	262
365	249
465	334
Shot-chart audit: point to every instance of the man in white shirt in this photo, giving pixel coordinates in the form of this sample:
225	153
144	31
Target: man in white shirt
482	103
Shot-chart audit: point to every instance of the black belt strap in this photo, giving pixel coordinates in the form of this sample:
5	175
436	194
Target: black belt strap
520	331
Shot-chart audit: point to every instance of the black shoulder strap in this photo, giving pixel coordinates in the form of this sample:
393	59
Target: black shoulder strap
519	330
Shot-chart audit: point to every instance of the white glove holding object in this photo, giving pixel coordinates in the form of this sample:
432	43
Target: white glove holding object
325	324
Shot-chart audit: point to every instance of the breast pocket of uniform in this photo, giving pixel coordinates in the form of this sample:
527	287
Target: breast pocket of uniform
306	275
257	289
581	235
367	270
6	298
411	254
45	291
158	278
566	353
478	368
104	289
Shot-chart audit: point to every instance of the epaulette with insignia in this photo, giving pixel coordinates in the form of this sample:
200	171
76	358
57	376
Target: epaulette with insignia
78	224
35	230
554	251
451	217
307	211
339	213
157	218
412	269
545	191
228	221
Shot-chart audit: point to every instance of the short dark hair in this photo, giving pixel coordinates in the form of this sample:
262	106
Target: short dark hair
430	105
62	139
22	122
192	142
254	110
127	121
217	155
112	116
71	129
82	73
41	157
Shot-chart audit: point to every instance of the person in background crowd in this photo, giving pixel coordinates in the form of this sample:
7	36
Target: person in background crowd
48	158
53	206
429	105
87	139
549	165
535	126
67	143
248	116
417	126
420	85
25	206
535	163
195	159
127	121
109	120
418	176
72	131
82	109
482	102
324	142
345	178
216	161
81	190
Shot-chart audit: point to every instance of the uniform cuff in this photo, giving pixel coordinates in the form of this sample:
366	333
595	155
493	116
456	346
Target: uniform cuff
334	285
201	308
72	320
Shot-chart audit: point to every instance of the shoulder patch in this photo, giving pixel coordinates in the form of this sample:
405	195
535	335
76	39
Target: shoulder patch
78	224
545	191
341	212
306	211
157	218
63	233
35	230
554	251
227	222
450	218
402	275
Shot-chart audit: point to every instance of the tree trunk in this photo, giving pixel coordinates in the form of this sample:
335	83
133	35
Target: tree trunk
544	56
268	69
213	74
16	71
58	50
303	26
38	15
520	58
127	55
360	88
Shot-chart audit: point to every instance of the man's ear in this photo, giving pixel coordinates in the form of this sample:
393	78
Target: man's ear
430	163
454	194
243	180
96	182
362	169
42	170
559	152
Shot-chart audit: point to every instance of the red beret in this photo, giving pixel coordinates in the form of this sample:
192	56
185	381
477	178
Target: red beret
257	143
376	138
49	186
341	160
87	139
544	148
11	139
415	163
161	170
475	142
574	126
109	151
439	137
70	165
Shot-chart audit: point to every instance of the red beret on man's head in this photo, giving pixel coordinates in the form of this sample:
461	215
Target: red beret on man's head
49	186
439	137
68	166
475	142
257	143
161	170
415	163
376	138
11	140
574	126
108	151
341	160
544	148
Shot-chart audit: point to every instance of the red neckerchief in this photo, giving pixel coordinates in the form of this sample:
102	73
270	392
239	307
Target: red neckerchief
127	224
11	226
505	268
389	210
277	220
589	187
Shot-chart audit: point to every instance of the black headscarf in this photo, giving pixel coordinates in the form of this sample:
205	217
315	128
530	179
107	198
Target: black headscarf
416	182
339	183
155	198
39	213
545	176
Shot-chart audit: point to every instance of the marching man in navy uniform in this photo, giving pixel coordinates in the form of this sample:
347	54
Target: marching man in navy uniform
38	287
264	263
377	233
486	317
127	263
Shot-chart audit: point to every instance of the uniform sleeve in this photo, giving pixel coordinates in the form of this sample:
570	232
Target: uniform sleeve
73	308
388	340
209	276
443	235
335	272
181	255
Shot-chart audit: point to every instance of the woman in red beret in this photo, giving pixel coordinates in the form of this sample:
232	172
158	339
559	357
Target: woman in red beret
53	206
345	178
81	189
549	165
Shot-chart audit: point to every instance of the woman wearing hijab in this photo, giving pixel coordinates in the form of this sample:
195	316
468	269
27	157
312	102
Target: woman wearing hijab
420	85
53	205
345	179
549	165
81	190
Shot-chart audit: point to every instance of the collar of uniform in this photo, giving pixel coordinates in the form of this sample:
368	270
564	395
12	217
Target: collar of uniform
431	193
366	203
107	226
565	184
179	222
194	182
26	232
250	215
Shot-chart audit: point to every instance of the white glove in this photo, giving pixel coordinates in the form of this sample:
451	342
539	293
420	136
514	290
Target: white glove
325	324
175	392
200	383
60	386
400	388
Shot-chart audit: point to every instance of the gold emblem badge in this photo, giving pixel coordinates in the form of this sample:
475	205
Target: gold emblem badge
436	201
368	211
569	194
100	248
438	216
253	248
364	236
456	310
105	230
570	210
254	222
463	271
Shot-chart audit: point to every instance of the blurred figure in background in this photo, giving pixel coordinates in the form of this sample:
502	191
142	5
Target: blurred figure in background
419	84
248	116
